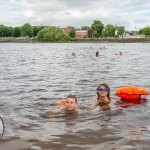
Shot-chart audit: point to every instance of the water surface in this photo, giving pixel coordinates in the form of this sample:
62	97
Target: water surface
33	77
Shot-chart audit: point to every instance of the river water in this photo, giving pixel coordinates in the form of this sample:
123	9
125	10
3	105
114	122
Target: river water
34	77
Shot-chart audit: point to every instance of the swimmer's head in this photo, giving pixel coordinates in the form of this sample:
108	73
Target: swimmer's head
71	102
97	53
73	54
103	88
120	53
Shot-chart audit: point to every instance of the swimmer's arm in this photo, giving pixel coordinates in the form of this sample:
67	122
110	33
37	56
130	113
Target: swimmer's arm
115	106
53	115
112	104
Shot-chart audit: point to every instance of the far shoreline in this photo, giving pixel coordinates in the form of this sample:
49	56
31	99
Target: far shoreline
100	40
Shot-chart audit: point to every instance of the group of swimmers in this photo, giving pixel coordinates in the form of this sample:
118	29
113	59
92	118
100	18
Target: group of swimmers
69	106
98	54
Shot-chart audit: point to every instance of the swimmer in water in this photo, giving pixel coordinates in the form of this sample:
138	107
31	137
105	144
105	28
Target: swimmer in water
68	107
104	101
71	105
120	53
97	54
73	54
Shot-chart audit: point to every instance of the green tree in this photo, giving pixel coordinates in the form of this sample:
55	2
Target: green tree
10	31
26	30
146	31
121	30
5	31
16	32
1	30
141	31
95	33
52	34
85	28
72	33
104	33
110	30
36	29
96	28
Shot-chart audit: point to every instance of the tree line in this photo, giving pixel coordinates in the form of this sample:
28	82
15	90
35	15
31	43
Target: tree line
46	33
99	30
25	31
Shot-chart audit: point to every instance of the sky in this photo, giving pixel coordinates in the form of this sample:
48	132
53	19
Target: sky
132	14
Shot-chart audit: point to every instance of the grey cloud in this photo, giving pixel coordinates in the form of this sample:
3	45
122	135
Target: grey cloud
73	12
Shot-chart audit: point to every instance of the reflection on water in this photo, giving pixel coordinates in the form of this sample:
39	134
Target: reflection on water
33	77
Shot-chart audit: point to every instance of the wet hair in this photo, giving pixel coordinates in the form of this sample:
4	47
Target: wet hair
73	97
73	54
108	92
97	53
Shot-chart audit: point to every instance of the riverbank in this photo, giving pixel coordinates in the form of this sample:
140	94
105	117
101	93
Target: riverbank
13	40
100	40
116	40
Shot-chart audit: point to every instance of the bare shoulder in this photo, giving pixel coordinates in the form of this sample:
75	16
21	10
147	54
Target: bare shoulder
79	112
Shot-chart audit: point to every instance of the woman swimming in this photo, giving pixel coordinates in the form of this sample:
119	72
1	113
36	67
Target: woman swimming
104	101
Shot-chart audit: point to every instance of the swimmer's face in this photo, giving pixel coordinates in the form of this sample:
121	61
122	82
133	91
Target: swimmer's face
102	91
70	104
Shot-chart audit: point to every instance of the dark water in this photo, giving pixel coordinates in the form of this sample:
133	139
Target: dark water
33	77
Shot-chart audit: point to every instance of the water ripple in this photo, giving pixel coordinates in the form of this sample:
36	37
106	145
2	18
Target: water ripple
34	77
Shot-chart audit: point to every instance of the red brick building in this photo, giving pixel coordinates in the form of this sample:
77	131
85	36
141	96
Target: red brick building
67	30
80	34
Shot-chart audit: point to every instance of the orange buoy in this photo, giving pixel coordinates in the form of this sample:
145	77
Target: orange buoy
132	93
125	103
135	101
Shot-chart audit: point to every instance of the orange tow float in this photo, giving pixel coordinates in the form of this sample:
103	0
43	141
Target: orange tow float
132	93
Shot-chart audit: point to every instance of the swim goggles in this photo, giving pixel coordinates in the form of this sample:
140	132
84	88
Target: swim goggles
102	90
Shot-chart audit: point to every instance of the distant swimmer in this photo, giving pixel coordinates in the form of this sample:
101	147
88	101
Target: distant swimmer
73	54
120	53
97	54
102	47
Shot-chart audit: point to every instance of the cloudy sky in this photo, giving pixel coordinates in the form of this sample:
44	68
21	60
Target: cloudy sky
133	14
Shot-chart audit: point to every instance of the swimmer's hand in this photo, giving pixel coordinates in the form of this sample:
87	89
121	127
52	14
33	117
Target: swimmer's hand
61	104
